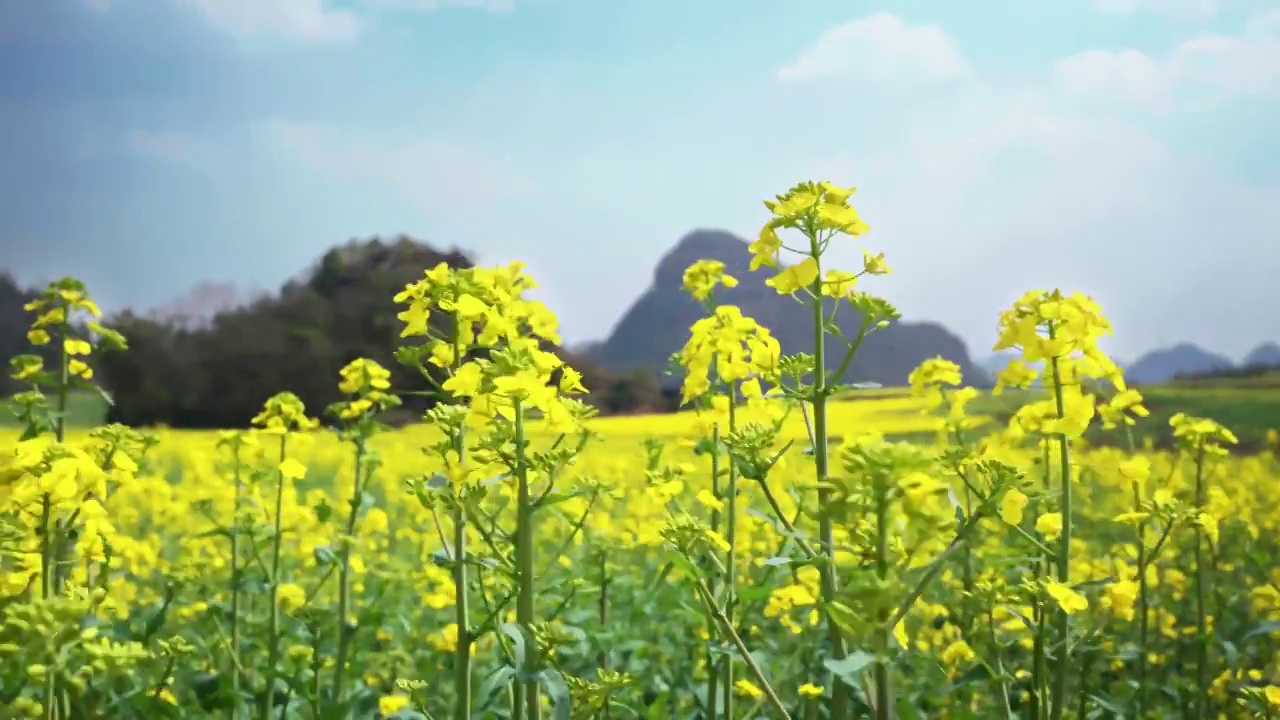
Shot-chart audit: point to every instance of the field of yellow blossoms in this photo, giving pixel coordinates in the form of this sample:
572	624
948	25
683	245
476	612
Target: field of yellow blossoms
775	551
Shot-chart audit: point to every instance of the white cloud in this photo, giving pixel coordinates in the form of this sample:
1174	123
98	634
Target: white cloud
306	20
1175	8
879	48
1010	191
1199	72
98	5
437	5
443	180
976	195
996	190
1125	75
312	20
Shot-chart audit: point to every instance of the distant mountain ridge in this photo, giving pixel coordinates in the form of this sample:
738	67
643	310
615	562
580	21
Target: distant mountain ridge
1265	355
1181	359
657	323
1164	364
1189	360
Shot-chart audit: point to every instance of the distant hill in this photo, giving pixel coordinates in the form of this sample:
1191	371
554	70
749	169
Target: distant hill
657	324
1182	359
1265	355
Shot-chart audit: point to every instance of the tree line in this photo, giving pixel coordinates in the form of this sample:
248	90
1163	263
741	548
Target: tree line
217	375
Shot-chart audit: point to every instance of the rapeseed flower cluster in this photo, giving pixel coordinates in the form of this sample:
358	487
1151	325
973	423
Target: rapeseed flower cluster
779	551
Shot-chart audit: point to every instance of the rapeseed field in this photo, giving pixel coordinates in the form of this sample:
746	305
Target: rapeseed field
775	551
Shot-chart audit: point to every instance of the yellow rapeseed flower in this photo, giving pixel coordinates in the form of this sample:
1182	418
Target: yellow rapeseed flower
392	704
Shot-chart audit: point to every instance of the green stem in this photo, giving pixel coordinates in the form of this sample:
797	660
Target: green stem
273	619
1144	614
462	606
602	659
826	530
235	581
1039	705
317	674
935	567
51	527
1202	634
727	627
1144	617
58	543
1064	549
884	690
1083	695
344	579
46	592
731	560
528	706
64	376
1000	671
712	711
788	525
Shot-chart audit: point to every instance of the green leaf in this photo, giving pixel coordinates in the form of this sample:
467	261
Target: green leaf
497	680
325	556
682	562
558	691
659	709
1097	583
976	674
752	593
1107	705
524	647
1230	654
555	496
844	617
102	393
705	446
851	666
1266	627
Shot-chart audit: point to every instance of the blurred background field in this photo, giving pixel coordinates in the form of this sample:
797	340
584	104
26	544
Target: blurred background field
1250	405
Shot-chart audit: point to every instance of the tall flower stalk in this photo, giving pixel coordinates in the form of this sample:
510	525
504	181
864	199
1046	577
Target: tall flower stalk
723	349
731	555
1122	411
281	416
820	212
713	703
236	443
1061	332
366	383
490	393
1204	439
67	318
1063	667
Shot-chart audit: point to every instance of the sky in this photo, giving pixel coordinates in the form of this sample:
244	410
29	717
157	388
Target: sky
1122	148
